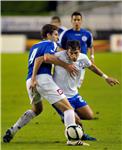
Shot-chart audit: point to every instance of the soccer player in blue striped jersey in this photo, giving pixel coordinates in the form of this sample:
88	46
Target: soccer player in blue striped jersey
80	34
40	72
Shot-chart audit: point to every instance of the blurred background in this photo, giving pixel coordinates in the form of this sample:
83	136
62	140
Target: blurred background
21	22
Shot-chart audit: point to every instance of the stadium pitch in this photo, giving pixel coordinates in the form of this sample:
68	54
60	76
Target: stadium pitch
46	132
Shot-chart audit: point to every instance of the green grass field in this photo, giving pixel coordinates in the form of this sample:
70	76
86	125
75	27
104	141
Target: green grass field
46	132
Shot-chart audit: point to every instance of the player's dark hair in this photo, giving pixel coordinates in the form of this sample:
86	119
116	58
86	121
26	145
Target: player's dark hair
76	13
48	28
73	45
56	18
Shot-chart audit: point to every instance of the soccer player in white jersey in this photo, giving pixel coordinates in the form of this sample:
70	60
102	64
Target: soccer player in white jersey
82	35
41	72
69	84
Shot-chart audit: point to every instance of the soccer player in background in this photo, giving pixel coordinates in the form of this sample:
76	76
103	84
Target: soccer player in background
80	34
41	72
55	20
69	85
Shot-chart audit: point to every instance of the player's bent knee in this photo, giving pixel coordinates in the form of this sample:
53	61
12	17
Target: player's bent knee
90	116
63	105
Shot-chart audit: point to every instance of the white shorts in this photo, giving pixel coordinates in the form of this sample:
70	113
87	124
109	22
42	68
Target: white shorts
47	89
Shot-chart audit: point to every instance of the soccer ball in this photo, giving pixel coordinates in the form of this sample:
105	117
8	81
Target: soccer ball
73	132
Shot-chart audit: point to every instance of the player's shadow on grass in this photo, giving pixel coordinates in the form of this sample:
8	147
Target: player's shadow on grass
35	142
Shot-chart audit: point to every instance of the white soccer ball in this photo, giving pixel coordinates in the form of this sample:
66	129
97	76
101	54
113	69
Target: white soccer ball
73	132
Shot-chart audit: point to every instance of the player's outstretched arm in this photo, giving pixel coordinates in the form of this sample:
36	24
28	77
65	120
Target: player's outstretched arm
111	81
91	50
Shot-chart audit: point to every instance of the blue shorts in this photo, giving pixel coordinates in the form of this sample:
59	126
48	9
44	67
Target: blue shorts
76	102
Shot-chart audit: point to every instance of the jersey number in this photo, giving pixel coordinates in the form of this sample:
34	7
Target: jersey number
33	55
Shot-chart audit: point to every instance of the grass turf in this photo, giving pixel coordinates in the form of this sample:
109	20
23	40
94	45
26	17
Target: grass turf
46	131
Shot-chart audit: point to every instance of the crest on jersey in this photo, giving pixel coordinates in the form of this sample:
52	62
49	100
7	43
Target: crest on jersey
84	38
81	64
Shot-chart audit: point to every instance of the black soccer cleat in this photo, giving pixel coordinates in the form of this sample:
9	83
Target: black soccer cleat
86	137
8	136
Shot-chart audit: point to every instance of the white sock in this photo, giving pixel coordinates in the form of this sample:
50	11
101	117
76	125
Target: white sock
23	120
69	117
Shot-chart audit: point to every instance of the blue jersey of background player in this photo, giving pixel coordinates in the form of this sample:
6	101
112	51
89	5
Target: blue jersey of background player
37	50
61	29
84	36
80	34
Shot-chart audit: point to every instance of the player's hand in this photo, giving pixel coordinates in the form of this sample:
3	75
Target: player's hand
111	81
33	84
73	71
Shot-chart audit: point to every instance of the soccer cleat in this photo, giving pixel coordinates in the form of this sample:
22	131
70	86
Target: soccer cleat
76	143
8	136
86	137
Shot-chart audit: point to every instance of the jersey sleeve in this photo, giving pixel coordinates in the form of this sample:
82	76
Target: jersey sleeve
90	40
48	50
85	61
51	49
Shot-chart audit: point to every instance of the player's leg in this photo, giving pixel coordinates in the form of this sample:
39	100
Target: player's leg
35	100
78	121
77	118
22	121
50	91
69	122
69	115
85	112
81	107
27	116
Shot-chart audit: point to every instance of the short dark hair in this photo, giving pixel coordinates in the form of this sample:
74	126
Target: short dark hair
73	45
48	28
56	18
76	13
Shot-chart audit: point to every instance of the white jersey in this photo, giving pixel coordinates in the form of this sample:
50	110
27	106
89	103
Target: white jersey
63	78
